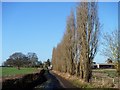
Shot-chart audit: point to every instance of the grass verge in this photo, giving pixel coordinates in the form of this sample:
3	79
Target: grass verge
12	71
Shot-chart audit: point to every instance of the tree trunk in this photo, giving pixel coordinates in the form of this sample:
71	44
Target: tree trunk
81	71
18	67
78	69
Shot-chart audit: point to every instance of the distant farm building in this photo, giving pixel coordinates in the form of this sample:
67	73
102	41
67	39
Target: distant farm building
103	66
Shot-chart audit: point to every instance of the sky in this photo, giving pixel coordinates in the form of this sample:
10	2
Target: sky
38	27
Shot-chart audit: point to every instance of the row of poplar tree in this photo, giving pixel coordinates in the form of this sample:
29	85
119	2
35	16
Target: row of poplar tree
77	49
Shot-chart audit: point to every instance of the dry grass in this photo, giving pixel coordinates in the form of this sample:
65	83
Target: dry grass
102	78
105	78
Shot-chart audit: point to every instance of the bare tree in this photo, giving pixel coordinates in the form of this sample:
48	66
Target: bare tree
32	58
110	45
70	33
17	59
76	51
111	48
88	29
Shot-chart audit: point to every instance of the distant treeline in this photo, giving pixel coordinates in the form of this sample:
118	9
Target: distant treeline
19	59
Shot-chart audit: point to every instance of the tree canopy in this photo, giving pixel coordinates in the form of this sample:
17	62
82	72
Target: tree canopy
19	59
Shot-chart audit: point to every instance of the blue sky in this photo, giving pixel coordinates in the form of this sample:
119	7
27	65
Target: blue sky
38	27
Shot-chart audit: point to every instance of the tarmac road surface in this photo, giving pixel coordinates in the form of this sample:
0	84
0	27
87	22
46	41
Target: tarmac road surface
54	81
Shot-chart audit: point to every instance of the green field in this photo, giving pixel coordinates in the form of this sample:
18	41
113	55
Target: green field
12	71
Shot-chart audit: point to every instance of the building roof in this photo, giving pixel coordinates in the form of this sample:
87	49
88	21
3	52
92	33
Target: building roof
104	64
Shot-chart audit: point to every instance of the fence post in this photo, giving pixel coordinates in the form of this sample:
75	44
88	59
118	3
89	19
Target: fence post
103	81
113	80
95	79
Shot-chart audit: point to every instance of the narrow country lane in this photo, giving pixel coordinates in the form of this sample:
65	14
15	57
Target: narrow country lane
51	83
65	83
54	81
